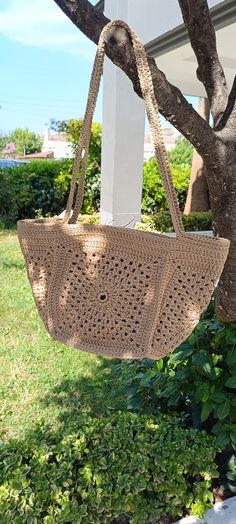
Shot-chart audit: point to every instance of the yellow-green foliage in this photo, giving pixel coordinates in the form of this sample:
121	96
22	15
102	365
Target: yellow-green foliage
154	197
137	468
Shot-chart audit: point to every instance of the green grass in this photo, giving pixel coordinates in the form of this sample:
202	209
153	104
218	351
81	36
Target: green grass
41	379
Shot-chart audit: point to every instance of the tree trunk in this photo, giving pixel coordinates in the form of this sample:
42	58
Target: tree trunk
217	144
222	189
198	194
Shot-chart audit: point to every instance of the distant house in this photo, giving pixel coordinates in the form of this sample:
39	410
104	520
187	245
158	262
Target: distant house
35	156
170	135
57	145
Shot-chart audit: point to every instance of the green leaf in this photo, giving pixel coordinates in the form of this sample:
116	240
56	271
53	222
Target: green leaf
202	392
232	487
233	437
206	410
169	390
159	364
217	371
217	428
223	440
230	335
182	354
231	475
231	358
222	410
146	380
218	397
231	464
231	382
182	374
203	362
139	375
192	339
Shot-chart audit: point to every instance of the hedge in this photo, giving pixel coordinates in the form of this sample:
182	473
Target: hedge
154	197
162	223
197	380
41	188
136	468
196	221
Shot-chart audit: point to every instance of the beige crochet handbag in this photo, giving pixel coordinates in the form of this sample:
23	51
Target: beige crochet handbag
114	291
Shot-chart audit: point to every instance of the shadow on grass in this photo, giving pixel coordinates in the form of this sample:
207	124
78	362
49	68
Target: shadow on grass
97	395
14	265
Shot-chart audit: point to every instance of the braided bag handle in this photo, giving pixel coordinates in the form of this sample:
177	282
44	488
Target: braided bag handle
81	156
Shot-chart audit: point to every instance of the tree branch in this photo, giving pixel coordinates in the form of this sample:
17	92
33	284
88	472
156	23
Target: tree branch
173	105
197	19
227	122
231	107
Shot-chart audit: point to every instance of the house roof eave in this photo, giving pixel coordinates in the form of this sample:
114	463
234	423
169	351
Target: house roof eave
222	14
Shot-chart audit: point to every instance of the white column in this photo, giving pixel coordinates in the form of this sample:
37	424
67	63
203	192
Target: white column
122	140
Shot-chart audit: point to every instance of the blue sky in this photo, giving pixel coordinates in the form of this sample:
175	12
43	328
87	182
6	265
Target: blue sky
46	64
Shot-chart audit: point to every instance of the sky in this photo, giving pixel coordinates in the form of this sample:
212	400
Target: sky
46	64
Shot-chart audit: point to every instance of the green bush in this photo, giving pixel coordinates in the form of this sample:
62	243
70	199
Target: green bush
197	380
162	222
90	219
182	153
154	197
41	187
197	221
126	466
72	130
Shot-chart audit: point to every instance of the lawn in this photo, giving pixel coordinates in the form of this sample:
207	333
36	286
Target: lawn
80	468
40	378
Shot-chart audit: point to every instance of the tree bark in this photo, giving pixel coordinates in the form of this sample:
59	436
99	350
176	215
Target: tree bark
197	18
223	204
172	104
216	146
198	194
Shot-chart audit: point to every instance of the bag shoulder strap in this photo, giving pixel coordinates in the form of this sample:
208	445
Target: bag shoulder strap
82	151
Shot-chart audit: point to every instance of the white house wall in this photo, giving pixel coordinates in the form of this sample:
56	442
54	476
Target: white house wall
123	111
122	140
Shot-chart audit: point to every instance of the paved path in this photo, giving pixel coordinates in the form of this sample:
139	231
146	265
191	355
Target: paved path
221	513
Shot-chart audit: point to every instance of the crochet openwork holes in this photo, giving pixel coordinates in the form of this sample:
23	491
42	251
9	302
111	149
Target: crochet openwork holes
113	291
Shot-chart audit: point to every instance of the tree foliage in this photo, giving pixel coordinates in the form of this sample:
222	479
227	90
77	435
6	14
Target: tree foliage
26	141
72	129
125	466
182	153
154	196
197	380
4	139
44	185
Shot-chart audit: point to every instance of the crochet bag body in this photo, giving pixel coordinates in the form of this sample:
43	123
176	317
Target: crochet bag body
110	290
